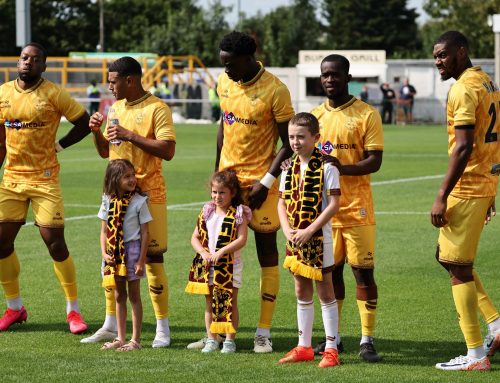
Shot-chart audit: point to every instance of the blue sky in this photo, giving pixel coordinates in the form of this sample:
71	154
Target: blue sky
251	7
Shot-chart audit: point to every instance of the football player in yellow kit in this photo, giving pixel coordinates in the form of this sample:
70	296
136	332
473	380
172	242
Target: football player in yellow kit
141	127
351	131
467	194
256	108
30	113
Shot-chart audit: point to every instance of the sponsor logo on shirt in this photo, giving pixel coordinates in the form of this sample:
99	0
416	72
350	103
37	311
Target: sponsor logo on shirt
17	124
230	118
327	147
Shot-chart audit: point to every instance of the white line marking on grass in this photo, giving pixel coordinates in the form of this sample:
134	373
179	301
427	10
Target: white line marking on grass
402	180
185	206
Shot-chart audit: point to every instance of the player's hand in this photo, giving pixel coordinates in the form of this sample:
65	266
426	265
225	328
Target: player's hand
285	165
118	132
492	211
257	196
327	159
302	236
139	269
438	213
96	121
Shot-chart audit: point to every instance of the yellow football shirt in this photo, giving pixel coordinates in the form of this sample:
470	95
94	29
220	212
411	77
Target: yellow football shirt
346	133
31	118
250	113
149	117
475	100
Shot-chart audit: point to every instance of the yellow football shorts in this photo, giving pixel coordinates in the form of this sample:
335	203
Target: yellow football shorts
458	240
46	203
157	231
265	219
354	245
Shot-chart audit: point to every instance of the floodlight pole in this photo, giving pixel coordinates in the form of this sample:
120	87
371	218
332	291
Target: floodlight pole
101	25
23	22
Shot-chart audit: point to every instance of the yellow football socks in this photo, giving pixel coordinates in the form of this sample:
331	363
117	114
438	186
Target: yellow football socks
367	314
9	276
158	289
110	301
269	287
340	303
65	272
465	297
485	304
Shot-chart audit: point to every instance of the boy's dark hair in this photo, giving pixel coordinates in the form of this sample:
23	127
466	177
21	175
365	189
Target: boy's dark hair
238	44
306	120
126	66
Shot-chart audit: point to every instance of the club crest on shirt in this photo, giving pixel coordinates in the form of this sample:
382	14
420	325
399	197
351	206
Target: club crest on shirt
40	105
139	118
351	124
4	104
225	93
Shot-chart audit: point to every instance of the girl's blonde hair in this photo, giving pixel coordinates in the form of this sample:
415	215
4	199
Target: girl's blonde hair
228	178
114	171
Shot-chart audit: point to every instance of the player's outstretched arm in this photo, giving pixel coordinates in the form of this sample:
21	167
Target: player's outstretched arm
259	191
370	164
100	142
78	132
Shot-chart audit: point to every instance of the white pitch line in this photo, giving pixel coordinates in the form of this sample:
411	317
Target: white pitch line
401	180
183	206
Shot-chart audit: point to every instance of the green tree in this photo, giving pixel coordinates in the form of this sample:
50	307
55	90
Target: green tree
469	17
371	24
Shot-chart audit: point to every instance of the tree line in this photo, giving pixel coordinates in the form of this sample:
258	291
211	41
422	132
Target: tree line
180	27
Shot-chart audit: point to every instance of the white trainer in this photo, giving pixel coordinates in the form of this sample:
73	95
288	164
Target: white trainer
228	347
200	344
100	335
491	343
211	346
262	344
465	363
161	340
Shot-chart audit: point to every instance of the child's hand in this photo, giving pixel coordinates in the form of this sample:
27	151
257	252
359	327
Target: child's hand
214	258
108	259
206	256
139	269
301	237
289	233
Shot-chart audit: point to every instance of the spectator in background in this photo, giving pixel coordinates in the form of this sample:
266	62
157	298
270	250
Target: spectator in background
406	93
213	97
165	92
363	96
154	90
93	92
388	96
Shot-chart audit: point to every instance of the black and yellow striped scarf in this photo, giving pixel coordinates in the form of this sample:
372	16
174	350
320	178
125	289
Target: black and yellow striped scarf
115	246
222	294
303	206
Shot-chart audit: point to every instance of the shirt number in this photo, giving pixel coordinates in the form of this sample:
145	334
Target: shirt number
490	135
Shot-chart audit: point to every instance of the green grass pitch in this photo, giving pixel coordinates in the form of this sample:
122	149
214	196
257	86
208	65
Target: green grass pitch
416	324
